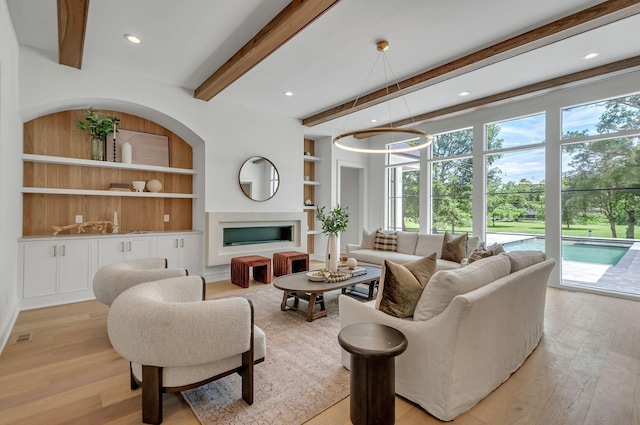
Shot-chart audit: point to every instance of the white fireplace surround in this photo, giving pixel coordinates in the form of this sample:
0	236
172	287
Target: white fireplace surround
217	254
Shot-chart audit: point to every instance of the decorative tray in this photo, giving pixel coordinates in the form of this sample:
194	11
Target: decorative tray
326	276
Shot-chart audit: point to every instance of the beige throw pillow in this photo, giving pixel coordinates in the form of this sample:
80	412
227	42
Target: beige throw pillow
454	249
401	285
445	285
521	259
367	239
385	241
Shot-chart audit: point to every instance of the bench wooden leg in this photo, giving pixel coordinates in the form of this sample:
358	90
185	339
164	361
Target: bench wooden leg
152	395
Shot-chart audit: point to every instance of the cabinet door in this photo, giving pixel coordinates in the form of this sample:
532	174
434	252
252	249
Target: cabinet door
168	248
74	266
138	248
111	251
190	253
40	269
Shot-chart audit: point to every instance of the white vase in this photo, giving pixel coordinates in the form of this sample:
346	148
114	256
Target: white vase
333	252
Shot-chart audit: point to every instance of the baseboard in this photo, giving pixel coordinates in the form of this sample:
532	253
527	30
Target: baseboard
7	324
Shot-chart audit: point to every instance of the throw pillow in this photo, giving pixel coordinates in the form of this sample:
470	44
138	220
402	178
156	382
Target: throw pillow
385	241
401	285
479	254
445	285
367	239
454	249
522	259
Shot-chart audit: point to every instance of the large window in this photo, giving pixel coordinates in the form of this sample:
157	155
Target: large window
403	189
452	181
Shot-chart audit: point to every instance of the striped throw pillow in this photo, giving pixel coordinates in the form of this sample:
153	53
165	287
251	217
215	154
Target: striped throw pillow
386	241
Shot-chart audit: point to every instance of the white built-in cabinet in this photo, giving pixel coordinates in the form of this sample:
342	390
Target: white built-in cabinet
115	250
52	268
59	269
182	251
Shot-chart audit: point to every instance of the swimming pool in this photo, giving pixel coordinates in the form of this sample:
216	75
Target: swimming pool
585	252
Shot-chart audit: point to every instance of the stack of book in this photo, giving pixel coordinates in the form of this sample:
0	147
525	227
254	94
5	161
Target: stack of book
121	187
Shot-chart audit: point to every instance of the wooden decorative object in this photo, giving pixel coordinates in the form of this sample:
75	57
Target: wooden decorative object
100	226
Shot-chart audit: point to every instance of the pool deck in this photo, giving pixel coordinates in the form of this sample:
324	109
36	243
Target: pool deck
624	277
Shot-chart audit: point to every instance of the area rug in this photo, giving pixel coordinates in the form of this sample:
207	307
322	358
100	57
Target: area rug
301	376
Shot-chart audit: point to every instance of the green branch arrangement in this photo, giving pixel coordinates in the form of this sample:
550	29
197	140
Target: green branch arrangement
333	222
97	125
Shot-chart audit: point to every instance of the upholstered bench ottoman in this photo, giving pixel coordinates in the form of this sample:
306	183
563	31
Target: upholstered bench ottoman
290	262
240	269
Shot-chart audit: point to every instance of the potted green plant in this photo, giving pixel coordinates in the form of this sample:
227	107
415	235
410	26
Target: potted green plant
333	222
98	127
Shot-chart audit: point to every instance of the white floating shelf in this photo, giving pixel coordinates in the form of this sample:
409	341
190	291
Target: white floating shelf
314	232
311	183
62	191
309	207
26	157
310	158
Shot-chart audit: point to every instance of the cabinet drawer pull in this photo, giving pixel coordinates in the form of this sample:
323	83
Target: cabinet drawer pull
182	242
55	250
176	243
121	246
129	246
64	250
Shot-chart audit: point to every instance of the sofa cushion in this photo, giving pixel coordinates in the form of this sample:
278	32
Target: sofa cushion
368	239
444	286
521	259
428	243
401	285
385	241
407	242
454	249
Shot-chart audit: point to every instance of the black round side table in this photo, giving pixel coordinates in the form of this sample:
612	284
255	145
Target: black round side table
373	348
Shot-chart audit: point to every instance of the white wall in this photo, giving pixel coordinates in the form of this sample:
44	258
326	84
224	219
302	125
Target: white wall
10	174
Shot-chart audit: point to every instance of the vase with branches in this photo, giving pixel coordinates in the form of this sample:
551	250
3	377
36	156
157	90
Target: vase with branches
333	222
98	127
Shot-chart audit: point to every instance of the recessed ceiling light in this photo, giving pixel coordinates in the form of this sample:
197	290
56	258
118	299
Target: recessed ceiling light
464	93
288	93
591	55
132	38
374	120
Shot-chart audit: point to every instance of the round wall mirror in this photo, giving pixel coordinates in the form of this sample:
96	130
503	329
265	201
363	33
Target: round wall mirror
258	178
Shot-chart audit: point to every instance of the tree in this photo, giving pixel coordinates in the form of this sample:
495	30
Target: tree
607	172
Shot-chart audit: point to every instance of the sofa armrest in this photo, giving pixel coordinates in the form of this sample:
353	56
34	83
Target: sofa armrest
352	247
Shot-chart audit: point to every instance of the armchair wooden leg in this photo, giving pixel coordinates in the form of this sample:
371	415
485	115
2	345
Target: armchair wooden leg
151	395
132	381
247	376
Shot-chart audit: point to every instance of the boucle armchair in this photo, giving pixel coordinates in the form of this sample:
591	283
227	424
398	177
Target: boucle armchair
176	341
113	279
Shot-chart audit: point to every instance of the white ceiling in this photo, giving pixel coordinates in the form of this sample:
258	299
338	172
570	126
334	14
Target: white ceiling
327	63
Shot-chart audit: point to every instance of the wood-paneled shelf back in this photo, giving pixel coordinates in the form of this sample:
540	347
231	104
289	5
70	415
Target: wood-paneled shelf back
55	192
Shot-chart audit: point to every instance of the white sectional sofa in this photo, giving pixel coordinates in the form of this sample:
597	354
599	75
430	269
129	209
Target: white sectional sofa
471	329
411	246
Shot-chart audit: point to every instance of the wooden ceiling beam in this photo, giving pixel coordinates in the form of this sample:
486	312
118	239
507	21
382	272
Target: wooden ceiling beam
72	26
510	95
577	23
289	22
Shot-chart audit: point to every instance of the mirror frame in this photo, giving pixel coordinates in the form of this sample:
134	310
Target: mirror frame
253	159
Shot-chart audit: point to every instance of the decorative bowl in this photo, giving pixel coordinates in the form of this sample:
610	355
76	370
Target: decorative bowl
138	185
316	276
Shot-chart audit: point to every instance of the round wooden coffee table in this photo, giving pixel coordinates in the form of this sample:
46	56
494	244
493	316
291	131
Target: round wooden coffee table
373	348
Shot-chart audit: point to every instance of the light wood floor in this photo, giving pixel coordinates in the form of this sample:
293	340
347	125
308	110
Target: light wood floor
586	370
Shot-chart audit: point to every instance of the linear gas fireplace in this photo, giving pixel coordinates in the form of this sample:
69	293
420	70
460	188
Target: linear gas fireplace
231	235
256	235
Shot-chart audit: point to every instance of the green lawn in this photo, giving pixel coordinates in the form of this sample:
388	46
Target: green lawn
537	228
